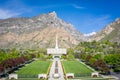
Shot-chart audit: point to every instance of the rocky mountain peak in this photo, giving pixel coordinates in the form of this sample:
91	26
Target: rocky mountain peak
38	31
118	20
53	14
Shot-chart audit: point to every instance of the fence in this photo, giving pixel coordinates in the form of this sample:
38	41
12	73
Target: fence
87	76
82	75
27	76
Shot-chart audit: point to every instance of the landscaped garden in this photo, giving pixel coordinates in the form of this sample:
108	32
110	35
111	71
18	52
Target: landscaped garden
103	57
76	67
33	69
80	71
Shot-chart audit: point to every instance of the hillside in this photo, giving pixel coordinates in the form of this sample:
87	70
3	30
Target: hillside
38	32
110	32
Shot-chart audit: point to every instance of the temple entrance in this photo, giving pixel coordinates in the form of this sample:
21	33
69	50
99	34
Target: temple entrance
56	56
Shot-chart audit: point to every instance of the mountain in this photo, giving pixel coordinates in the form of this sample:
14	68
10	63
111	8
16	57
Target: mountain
111	32
38	32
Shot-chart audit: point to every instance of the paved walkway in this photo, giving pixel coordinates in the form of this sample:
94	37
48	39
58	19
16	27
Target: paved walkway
116	75
52	70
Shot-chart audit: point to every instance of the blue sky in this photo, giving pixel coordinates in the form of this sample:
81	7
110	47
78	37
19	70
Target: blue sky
86	15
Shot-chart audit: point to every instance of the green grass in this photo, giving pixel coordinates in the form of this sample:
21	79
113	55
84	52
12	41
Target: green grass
36	67
75	67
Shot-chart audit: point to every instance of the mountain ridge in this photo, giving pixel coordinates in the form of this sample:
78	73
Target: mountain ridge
31	32
111	32
40	31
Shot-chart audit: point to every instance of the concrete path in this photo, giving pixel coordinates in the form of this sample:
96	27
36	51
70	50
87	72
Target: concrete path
116	75
52	70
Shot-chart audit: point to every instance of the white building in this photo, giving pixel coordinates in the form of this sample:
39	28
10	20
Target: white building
56	52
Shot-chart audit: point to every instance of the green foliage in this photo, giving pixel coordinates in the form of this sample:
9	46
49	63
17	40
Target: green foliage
42	56
49	57
63	57
84	56
42	50
92	60
70	51
37	55
29	56
113	60
88	58
70	56
117	69
98	56
7	54
2	57
94	47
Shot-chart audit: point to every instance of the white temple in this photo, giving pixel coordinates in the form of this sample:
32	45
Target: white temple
56	52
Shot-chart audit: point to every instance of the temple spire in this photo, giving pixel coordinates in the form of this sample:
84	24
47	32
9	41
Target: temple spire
56	46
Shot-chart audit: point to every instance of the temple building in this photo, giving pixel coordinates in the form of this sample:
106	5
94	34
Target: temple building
56	52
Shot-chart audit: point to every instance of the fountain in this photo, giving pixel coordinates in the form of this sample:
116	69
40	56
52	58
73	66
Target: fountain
56	75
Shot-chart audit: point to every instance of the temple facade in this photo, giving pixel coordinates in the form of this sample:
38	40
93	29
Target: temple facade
56	52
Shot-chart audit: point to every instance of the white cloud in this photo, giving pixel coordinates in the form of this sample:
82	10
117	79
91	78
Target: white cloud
77	7
99	20
90	34
93	23
7	14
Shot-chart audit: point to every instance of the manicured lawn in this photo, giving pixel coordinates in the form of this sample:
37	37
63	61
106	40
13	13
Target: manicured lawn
75	67
36	67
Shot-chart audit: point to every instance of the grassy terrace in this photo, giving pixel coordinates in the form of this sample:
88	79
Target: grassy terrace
34	68
76	67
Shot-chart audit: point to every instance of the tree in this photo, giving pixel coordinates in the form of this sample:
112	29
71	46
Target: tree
42	56
100	65
49	57
1	68
88	58
71	56
98	56
84	56
92	60
63	57
113	60
70	51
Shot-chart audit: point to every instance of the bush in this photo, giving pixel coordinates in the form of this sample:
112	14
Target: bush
42	56
92	60
49	57
70	57
117	69
88	58
63	57
84	57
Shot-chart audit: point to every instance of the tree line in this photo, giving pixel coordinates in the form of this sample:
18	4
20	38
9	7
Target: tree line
13	58
103	56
